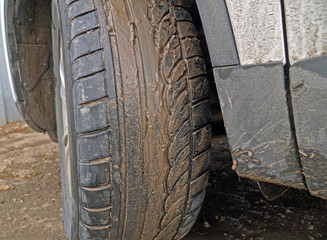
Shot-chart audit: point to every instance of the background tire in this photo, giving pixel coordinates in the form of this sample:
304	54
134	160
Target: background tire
138	118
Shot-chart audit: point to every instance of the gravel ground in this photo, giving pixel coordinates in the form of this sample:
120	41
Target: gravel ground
30	197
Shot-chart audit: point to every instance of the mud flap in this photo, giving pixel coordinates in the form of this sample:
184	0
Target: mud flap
309	96
256	115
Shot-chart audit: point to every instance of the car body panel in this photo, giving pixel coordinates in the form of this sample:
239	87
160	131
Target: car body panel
258	30
306	29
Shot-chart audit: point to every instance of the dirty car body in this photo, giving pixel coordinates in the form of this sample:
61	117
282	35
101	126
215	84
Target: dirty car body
269	61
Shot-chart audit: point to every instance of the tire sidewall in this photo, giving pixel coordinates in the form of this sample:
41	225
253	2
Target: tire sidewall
70	213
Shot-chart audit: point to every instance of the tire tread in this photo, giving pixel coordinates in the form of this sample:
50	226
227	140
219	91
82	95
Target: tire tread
188	124
92	123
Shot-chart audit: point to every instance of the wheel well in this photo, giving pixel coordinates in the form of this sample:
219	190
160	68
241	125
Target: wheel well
30	54
218	128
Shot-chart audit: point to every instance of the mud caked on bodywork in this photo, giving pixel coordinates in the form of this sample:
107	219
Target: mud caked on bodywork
273	100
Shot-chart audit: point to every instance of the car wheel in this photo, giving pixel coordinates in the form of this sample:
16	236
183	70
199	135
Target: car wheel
133	118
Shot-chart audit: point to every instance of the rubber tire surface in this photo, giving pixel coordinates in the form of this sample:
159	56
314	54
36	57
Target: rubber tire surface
138	111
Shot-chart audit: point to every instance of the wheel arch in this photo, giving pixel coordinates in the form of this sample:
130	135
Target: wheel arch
27	30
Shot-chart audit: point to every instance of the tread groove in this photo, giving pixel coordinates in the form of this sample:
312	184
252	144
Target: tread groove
82	33
92	102
89	75
86	54
200	100
81	15
100	130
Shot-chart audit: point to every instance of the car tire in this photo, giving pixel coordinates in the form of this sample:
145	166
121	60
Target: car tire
133	118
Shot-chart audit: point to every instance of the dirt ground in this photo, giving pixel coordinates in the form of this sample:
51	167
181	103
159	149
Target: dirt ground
30	197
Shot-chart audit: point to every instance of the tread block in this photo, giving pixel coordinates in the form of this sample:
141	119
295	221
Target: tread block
200	164
181	14
88	147
199	88
196	202
96	217
94	174
191	47
182	3
171	57
194	208
88	232
190	219
180	165
156	14
173	90
181	139
87	65
187	29
186	230
196	67
179	113
85	44
83	24
98	197
166	30
200	114
80	7
201	139
90	89
169	230
92	116
198	184
178	72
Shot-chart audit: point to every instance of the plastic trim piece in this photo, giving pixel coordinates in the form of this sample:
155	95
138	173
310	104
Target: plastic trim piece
218	32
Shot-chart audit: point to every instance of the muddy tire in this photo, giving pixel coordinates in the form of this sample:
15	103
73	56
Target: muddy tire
134	130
